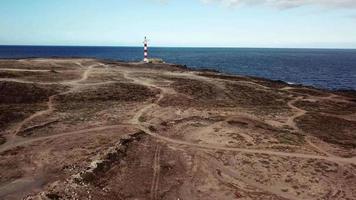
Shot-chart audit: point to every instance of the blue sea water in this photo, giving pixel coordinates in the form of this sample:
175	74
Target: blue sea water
322	68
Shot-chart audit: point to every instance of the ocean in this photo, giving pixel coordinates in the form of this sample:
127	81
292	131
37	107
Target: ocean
333	69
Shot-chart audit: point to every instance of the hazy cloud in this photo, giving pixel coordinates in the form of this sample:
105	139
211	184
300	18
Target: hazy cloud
288	3
160	1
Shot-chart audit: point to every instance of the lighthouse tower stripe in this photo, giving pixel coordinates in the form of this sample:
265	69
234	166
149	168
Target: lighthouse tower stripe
145	52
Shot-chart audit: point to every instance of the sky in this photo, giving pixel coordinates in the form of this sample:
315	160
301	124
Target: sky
180	23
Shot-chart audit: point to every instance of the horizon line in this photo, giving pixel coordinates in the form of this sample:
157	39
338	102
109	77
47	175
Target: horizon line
212	47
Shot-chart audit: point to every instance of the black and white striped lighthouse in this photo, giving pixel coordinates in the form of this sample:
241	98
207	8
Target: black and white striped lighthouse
145	50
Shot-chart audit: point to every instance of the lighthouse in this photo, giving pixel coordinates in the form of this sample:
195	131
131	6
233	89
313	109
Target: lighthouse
145	50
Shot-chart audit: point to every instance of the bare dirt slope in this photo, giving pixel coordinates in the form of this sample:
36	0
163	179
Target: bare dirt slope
90	129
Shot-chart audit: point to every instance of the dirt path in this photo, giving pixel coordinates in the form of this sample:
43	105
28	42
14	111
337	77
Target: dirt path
331	97
24	181
26	141
298	113
50	102
27	82
143	126
85	74
317	148
156	173
37	114
34	181
225	173
243	150
31	182
24	70
13	140
272	189
291	122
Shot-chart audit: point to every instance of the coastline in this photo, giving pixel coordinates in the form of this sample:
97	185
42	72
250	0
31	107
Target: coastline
70	128
331	69
346	91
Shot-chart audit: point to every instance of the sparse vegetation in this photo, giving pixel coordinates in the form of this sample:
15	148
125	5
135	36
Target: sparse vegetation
287	137
330	129
142	119
2	140
161	131
155	60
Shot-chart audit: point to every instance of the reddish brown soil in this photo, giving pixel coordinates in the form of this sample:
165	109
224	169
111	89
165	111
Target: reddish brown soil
12	113
330	129
91	129
12	92
328	106
112	92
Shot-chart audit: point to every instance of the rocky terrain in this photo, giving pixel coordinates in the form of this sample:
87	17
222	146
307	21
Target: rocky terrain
91	129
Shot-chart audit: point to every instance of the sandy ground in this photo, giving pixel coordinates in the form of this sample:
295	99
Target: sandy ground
90	129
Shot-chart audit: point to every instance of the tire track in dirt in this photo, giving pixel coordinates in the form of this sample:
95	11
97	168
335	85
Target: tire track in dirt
243	150
143	126
156	173
317	148
238	176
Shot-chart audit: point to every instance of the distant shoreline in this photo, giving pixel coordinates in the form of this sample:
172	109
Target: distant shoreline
321	68
185	67
190	47
94	119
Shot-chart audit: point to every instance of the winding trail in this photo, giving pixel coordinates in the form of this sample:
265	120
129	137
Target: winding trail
13	140
144	127
49	110
298	113
243	150
29	182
